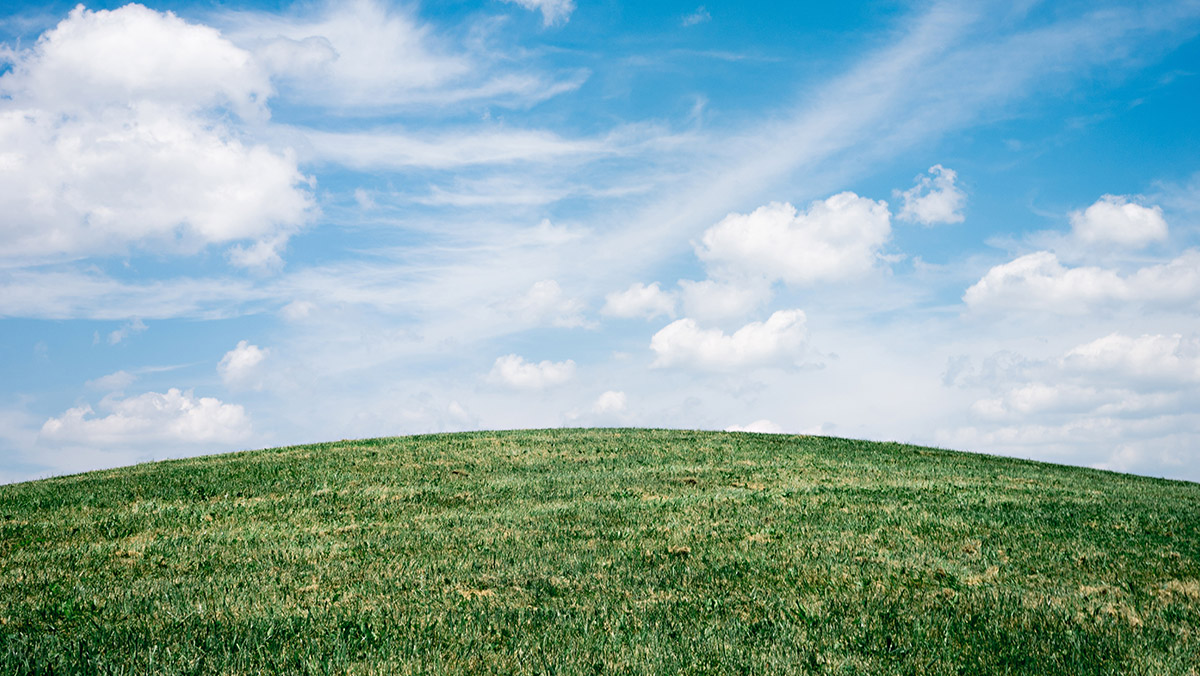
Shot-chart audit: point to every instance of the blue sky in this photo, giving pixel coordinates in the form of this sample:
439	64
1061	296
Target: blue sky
237	225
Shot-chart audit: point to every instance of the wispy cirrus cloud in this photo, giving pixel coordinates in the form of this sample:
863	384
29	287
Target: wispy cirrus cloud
391	149
699	16
553	11
951	67
367	57
483	189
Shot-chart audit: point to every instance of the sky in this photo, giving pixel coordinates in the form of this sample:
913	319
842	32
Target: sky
237	225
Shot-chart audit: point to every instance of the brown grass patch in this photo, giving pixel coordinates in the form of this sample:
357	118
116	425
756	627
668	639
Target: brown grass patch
988	575
1187	589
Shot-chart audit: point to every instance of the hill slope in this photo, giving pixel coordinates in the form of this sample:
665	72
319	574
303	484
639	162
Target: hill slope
600	551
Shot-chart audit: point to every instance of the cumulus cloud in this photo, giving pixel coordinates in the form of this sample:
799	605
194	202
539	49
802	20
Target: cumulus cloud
779	340
1039	282
1038	279
834	239
114	132
241	367
639	300
610	402
99	58
553	11
172	417
935	199
1113	219
763	426
512	370
546	303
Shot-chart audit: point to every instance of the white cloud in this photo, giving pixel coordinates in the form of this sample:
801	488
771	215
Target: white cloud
130	328
639	300
1039	398
710	300
546	303
365	56
54	294
113	382
934	199
297	310
513	371
391	149
1038	282
610	402
699	16
358	53
306	58
779	340
263	254
837	238
806	151
241	367
1113	219
553	11
763	426
948	68
460	415
364	199
111	58
171	417
1131	397
1170	358
546	233
1157	446
113	134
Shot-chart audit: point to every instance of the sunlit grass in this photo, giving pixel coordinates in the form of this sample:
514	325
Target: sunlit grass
600	551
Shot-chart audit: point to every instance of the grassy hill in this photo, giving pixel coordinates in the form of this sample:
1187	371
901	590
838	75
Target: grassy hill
600	551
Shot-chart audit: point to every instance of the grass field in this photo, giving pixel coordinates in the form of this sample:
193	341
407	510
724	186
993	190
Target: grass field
600	551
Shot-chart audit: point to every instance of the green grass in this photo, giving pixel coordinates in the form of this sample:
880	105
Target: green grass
598	552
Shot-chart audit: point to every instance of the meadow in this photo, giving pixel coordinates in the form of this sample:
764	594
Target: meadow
600	551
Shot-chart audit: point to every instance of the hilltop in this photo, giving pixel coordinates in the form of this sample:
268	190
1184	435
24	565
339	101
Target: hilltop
600	551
